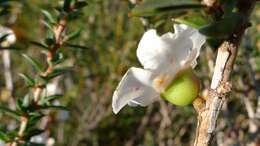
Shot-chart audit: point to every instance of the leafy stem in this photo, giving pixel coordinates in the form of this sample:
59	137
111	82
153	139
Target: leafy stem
58	30
29	110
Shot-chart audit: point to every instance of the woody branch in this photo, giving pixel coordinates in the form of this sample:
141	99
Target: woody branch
220	86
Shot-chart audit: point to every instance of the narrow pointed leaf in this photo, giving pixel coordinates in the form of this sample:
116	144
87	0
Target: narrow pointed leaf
47	100
75	46
58	107
41	45
48	16
73	35
57	72
58	58
28	80
53	97
48	25
34	117
33	132
19	105
10	112
195	21
34	63
153	7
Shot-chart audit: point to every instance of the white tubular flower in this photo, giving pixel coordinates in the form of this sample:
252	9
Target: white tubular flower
9	39
162	58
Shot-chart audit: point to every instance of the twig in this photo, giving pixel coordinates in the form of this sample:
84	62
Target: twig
7	70
220	85
8	76
209	3
58	30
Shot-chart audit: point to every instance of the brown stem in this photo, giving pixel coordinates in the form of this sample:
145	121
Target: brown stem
220	85
209	3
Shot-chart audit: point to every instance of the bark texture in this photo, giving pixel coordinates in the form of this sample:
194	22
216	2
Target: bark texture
220	85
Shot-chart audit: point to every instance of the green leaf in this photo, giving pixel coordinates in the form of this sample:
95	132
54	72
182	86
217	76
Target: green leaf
66	5
224	27
58	58
48	16
52	97
34	117
74	15
29	81
57	72
194	21
10	112
41	45
153	7
214	42
48	25
75	46
228	5
34	63
46	101
41	81
49	41
4	137
32	132
19	105
80	4
12	134
58	107
73	35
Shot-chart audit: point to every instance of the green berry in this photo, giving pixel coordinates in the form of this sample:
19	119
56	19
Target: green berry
183	89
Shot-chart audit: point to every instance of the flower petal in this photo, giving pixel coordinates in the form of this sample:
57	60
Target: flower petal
198	40
160	52
166	55
149	48
157	52
144	101
135	88
133	104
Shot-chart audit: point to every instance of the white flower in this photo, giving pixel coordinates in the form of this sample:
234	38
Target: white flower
162	57
10	38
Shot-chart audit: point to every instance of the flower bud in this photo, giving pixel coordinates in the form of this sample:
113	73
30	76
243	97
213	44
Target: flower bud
183	89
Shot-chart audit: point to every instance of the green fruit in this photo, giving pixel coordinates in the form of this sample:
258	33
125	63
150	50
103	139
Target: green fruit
183	89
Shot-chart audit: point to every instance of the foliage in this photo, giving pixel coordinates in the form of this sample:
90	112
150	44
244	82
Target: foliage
96	51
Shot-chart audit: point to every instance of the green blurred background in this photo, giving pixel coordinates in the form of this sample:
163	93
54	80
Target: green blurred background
111	37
